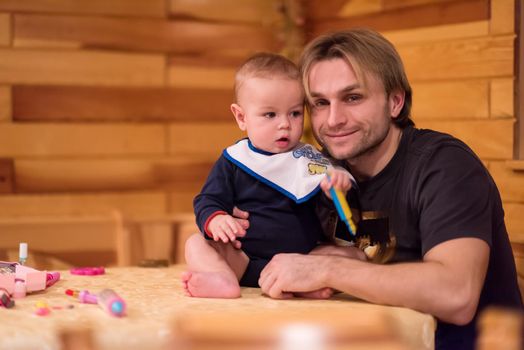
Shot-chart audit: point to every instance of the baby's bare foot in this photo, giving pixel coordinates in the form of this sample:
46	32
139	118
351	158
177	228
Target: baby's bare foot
214	284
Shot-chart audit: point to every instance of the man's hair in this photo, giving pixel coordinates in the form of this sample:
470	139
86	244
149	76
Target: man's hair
265	65
366	51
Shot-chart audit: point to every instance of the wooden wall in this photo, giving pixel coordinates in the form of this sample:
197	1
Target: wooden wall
121	105
124	104
459	57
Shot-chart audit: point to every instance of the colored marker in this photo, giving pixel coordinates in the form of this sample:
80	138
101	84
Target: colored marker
342	206
83	296
112	303
52	278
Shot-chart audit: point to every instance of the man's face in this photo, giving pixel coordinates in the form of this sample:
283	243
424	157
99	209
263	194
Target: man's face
351	119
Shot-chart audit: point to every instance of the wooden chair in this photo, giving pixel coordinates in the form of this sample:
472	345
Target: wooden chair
58	242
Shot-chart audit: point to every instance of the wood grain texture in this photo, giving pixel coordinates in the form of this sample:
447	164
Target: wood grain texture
509	182
5	29
5	104
7	178
173	36
448	12
502	17
80	68
130	204
134	8
514	218
438	33
119	174
80	140
264	12
490	139
451	100
502	98
459	59
107	104
203	140
189	76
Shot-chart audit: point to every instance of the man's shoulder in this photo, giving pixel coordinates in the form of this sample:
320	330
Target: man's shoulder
427	142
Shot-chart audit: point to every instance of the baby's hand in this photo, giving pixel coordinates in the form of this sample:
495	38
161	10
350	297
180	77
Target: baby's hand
339	179
226	228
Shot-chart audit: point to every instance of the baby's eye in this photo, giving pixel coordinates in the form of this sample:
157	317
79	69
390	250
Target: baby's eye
270	114
297	113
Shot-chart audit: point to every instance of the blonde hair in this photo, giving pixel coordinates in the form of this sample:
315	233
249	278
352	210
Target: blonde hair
366	51
265	65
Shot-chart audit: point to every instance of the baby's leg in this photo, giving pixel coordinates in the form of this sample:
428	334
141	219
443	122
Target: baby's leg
213	268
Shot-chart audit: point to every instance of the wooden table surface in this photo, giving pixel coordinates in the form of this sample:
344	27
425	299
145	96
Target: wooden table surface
155	301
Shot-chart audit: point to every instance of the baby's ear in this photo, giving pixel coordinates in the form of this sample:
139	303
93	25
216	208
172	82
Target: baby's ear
239	115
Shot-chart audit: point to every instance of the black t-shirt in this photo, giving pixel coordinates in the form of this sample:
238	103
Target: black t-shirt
435	189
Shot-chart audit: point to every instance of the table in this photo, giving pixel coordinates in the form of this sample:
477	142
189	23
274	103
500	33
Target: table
155	302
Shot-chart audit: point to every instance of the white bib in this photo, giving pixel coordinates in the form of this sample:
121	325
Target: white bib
296	174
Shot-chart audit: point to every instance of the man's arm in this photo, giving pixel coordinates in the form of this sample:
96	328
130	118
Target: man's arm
446	284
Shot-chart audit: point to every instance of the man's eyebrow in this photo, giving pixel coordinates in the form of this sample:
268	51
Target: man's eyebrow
346	89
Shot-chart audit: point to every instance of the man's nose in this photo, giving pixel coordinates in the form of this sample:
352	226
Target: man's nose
336	115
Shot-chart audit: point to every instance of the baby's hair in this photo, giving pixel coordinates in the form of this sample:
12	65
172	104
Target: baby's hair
265	65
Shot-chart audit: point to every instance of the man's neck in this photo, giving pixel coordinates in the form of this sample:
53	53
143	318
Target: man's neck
371	163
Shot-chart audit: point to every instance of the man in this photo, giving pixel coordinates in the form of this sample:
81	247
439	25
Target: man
429	208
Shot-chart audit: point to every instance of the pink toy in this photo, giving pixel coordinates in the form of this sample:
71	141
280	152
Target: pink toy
33	280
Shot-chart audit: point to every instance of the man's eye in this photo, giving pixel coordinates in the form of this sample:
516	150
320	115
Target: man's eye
353	98
320	103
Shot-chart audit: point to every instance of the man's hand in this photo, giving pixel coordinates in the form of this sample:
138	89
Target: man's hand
241	217
287	273
226	228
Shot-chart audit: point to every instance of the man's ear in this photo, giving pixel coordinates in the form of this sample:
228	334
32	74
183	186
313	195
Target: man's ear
396	102
240	117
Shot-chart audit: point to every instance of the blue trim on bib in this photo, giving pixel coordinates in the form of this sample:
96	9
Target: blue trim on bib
269	183
258	150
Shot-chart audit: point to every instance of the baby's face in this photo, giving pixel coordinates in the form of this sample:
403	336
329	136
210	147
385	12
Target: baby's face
274	113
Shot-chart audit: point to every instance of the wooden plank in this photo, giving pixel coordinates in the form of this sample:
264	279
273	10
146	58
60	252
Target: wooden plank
449	12
514	218
206	140
438	100
180	36
120	174
5	104
509	182
134	8
438	33
360	7
7	184
5	29
501	96
250	11
130	204
107	104
182	201
80	68
502	17
393	4
190	76
19	140
467	58
490	139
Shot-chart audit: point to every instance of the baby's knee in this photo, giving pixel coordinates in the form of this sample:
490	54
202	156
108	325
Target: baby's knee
193	241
